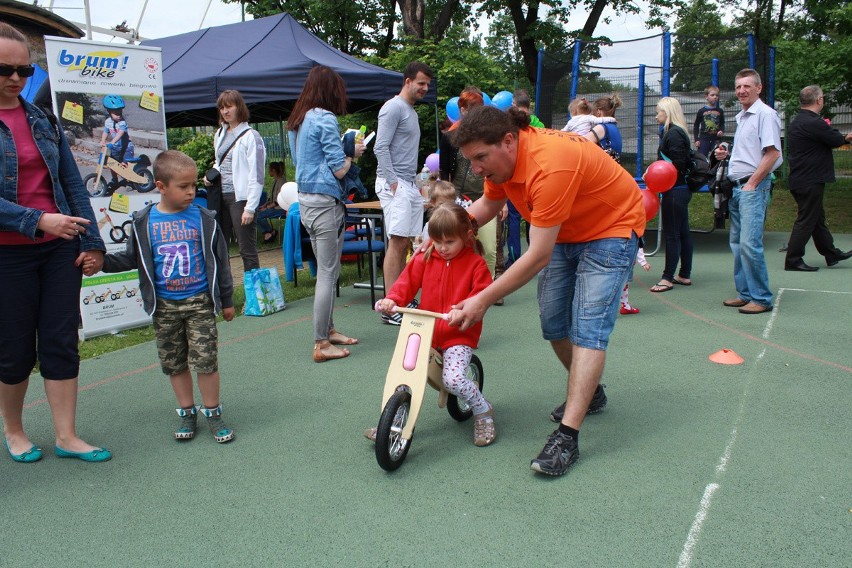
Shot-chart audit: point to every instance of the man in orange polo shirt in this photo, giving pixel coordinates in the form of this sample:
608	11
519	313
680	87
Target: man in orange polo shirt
586	216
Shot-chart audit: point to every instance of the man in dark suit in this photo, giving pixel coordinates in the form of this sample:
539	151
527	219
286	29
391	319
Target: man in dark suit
810	141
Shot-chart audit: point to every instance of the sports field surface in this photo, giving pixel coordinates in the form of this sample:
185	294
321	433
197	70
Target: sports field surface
691	464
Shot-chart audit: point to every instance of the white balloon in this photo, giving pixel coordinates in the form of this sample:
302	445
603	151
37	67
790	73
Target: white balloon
288	195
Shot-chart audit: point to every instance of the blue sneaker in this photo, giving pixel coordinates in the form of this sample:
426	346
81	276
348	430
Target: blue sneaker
188	423
221	433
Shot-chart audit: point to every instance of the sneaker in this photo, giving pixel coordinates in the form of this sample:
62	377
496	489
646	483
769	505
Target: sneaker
598	403
559	453
221	433
393	319
188	423
396	319
484	433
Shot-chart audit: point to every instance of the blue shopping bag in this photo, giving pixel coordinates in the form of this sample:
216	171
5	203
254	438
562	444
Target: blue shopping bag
264	295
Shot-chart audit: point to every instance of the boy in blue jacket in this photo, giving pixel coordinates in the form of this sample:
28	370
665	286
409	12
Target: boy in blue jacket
185	280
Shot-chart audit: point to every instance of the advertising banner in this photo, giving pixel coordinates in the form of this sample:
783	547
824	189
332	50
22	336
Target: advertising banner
109	101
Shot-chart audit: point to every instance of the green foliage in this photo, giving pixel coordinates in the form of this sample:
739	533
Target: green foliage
458	61
200	149
179	136
701	36
352	27
817	49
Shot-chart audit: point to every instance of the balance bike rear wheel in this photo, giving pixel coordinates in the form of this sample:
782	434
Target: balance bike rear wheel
459	409
391	448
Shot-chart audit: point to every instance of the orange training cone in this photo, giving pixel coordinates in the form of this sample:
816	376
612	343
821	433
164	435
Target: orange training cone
726	357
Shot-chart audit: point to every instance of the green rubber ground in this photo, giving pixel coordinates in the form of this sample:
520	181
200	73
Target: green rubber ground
691	464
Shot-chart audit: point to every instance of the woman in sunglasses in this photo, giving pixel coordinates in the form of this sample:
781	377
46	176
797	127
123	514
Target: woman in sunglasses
47	229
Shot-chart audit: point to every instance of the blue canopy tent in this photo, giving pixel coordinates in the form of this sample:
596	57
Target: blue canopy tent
267	60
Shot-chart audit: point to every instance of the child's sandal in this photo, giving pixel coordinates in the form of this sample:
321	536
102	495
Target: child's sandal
484	432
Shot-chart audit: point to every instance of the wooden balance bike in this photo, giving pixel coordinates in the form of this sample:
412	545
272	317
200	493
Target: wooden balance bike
414	365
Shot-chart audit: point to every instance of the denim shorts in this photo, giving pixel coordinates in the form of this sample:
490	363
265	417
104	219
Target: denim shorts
579	289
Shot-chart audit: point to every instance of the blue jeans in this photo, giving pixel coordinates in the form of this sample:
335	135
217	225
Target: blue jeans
675	207
579	289
262	218
748	213
512	234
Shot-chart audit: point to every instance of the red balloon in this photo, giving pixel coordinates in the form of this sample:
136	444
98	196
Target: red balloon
651	203
660	176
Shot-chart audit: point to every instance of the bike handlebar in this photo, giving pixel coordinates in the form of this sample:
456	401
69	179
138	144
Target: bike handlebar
417	312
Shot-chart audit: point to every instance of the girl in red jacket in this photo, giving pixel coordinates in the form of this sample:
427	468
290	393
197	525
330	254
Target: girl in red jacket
449	271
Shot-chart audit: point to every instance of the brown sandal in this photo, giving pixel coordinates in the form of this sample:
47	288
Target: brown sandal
340	339
321	357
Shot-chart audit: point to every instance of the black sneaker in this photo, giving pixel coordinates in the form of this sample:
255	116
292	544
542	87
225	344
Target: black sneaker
396	319
559	453
598	403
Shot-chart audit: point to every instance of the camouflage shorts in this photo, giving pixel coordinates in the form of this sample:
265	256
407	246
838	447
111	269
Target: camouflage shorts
186	334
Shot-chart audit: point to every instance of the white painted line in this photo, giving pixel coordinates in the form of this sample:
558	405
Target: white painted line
692	538
773	315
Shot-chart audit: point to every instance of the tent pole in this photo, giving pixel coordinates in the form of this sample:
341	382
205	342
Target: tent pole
437	128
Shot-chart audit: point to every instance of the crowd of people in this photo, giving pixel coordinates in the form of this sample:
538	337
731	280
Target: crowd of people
582	209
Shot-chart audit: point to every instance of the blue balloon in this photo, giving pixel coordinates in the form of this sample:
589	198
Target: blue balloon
453	112
502	100
486	100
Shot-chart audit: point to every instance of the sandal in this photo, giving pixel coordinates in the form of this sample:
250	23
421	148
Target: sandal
337	338
321	356
484	432
682	282
661	287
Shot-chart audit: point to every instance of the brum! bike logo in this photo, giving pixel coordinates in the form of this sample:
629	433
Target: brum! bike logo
102	64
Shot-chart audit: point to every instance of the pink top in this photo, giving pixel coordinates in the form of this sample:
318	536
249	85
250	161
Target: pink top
35	189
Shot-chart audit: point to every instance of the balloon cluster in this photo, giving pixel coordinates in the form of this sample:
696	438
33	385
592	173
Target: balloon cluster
502	100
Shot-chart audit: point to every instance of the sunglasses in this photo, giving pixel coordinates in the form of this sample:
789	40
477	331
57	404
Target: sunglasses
22	71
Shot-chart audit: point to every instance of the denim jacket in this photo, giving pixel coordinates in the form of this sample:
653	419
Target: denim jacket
318	153
69	193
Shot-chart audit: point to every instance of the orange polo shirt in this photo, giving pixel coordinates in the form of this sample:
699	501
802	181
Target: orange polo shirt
563	179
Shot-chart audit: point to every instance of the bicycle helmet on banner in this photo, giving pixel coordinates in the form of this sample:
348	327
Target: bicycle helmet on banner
113	102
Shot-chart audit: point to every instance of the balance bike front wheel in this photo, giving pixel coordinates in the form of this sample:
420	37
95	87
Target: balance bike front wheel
95	187
459	409
391	447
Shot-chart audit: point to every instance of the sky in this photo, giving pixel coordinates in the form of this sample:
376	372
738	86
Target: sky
162	19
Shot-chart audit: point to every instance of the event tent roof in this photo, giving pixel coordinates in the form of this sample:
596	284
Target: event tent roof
267	60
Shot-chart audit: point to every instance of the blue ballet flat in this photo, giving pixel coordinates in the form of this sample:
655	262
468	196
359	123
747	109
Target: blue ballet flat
34	454
96	455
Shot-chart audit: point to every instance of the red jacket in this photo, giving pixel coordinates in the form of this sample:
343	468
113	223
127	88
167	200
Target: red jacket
444	283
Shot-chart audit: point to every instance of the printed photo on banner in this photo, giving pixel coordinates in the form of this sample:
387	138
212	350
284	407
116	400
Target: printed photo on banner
108	100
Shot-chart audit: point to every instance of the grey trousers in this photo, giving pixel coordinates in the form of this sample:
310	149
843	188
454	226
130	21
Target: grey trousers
323	217
232	214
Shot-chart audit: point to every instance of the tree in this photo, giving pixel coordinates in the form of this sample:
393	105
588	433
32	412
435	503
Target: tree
701	36
352	27
816	48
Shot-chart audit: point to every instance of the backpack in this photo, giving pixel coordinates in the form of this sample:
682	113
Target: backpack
697	173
